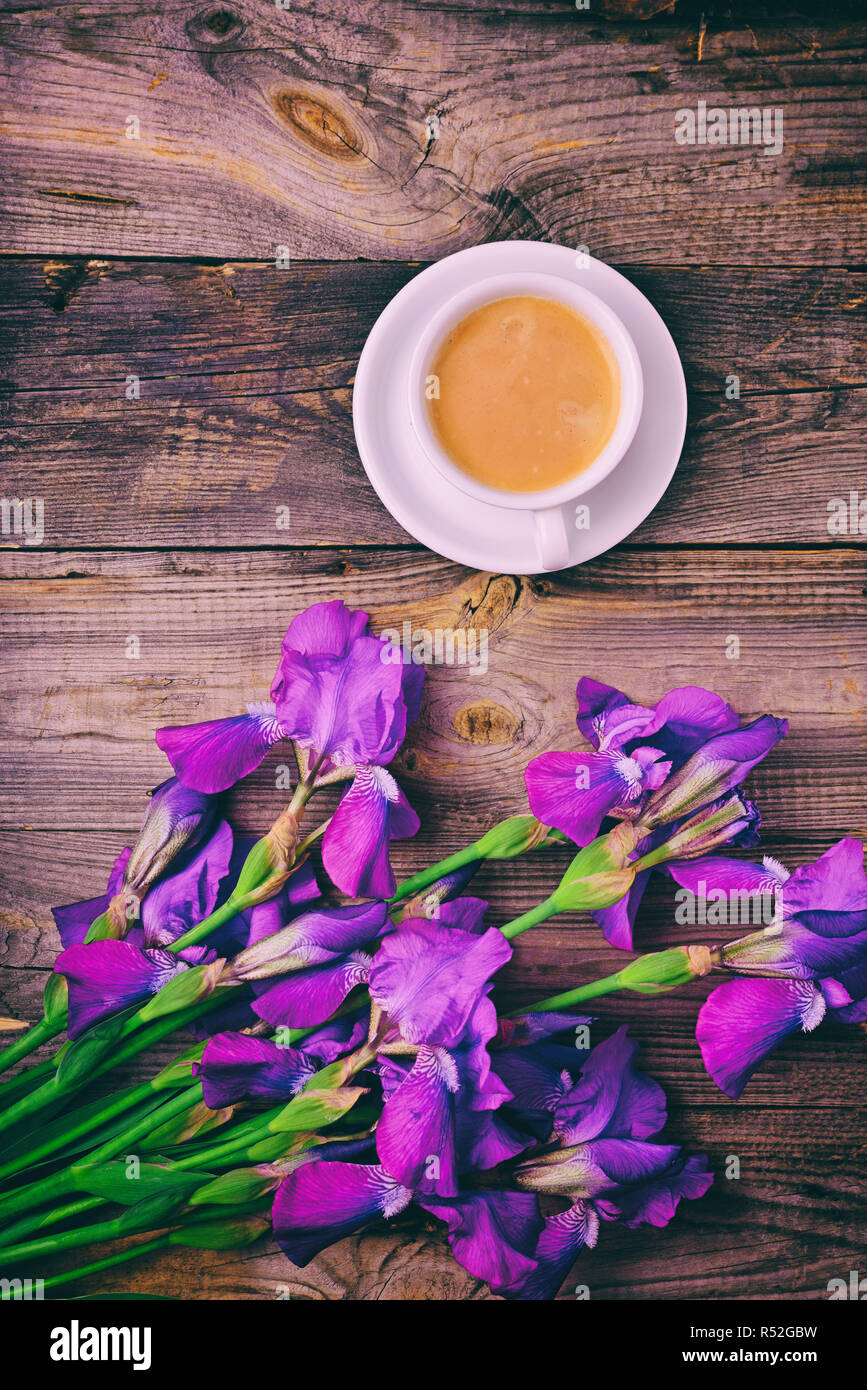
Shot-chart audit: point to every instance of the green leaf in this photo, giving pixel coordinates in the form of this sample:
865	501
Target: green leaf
182	990
81	1056
119	1181
225	1234
315	1109
234	1188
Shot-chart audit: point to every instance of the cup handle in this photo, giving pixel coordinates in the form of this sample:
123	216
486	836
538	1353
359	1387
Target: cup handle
552	539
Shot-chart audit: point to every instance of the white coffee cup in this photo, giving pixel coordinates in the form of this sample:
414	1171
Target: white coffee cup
547	505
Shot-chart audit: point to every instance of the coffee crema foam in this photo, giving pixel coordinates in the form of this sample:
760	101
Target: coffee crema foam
526	394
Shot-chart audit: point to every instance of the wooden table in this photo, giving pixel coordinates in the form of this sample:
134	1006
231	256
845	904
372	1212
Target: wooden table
170	385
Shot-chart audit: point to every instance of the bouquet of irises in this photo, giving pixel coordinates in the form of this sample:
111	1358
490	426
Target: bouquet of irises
344	1056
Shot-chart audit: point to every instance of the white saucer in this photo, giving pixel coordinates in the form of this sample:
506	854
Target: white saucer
437	513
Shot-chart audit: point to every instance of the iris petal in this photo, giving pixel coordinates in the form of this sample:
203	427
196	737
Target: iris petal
429	978
372	812
743	1020
235	1065
612	1097
324	1201
106	976
212	756
492	1234
415	1136
308	997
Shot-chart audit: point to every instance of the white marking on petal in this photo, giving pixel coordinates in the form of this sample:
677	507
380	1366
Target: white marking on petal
396	1199
777	870
813	1005
444	1064
266	713
632	773
385	782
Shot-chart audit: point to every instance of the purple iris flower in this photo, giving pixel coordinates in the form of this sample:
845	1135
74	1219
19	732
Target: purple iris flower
101	981
816	947
636	748
604	1164
371	813
337	693
106	976
715	768
439	1118
180	828
317	961
428	979
431	983
744	1020
324	1201
334	694
235	1066
819	924
640	753
574	792
501	1236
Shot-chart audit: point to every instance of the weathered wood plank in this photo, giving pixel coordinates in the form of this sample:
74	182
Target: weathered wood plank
412	131
209	626
87	324
218	461
244	374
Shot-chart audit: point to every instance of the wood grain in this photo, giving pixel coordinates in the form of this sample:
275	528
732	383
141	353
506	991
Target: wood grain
209	625
411	131
245	375
398	133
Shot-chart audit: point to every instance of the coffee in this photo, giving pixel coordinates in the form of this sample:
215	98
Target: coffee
525	394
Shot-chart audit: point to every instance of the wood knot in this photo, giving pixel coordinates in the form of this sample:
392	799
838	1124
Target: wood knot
486	722
319	125
490	609
213	26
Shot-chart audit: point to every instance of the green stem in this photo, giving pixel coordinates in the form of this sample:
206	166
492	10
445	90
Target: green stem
541	913
39	1220
312	838
191	1095
657	972
204	928
64	1183
145	1247
41	1032
245	1136
113	1229
69	1240
87	1121
608	985
96	1266
28	1080
139	1038
425	877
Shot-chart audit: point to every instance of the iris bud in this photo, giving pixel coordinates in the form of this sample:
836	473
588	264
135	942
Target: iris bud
240	1185
661	971
721	823
510	838
600	874
268	864
183	990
